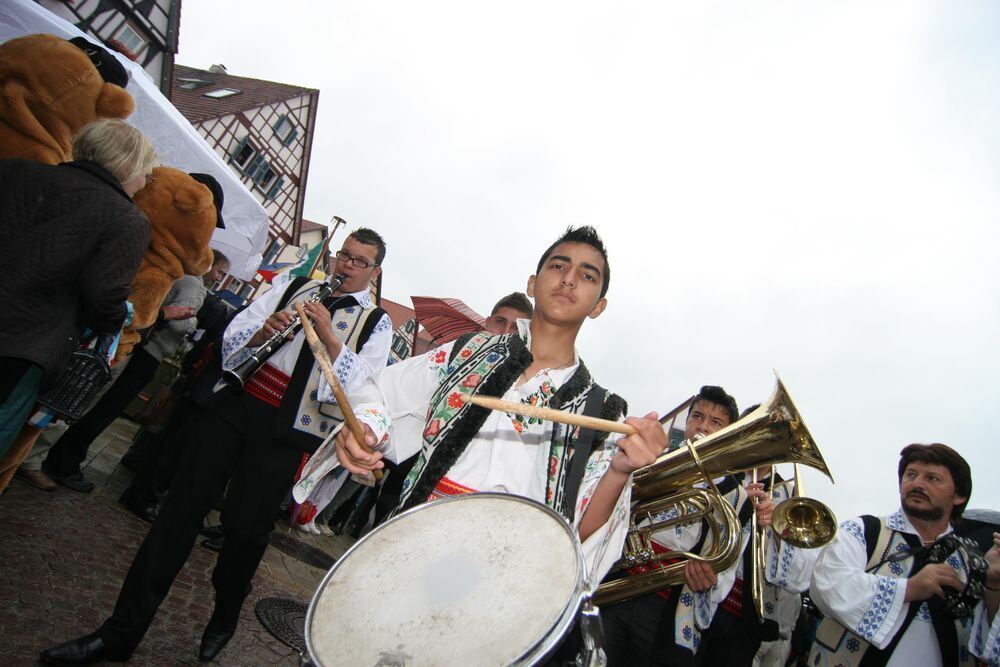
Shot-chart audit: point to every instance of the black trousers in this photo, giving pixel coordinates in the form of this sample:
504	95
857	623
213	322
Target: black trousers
230	443
163	451
70	450
727	642
640	631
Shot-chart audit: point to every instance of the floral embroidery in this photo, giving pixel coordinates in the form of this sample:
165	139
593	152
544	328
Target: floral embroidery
440	356
306	420
324	426
853	645
768	608
466	353
471	381
342	325
538	398
433	427
687	599
455	400
349	310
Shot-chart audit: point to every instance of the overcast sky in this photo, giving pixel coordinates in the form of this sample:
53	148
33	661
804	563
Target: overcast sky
805	187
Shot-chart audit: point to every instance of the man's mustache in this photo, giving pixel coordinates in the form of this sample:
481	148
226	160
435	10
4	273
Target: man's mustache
919	494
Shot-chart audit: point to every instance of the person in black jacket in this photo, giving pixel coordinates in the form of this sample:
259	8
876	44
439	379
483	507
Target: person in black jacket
71	240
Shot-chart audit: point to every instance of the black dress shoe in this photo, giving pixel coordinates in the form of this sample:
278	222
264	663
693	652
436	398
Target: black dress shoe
134	504
75	481
212	531
214	543
83	651
213	641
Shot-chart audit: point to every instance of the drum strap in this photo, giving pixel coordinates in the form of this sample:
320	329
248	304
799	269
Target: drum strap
584	446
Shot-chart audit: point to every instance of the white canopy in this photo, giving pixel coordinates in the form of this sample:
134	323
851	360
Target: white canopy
177	142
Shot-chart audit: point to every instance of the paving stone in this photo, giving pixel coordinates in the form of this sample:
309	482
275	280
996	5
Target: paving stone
65	554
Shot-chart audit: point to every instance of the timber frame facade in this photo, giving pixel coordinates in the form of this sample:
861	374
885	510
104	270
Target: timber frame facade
264	131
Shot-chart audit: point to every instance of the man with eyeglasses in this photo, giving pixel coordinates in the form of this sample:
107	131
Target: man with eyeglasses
253	441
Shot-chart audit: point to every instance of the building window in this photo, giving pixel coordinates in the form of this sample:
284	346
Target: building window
128	41
285	130
244	155
220	93
276	188
262	174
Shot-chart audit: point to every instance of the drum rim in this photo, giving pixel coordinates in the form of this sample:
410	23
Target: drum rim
555	633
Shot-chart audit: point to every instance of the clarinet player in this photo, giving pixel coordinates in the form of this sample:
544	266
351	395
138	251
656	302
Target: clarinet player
253	440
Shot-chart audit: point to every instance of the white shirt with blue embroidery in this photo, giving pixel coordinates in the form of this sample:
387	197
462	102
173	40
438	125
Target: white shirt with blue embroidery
872	606
351	368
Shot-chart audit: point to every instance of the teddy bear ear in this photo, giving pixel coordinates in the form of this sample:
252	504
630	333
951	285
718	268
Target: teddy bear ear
192	197
114	102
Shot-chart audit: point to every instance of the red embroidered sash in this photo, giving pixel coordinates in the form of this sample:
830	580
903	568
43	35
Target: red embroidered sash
734	601
268	384
446	488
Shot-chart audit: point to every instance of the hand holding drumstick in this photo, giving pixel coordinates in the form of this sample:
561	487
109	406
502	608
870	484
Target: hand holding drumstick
359	433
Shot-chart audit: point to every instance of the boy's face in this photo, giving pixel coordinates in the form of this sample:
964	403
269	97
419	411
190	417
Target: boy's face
568	288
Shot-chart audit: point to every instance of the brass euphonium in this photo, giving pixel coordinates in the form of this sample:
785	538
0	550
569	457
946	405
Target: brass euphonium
679	488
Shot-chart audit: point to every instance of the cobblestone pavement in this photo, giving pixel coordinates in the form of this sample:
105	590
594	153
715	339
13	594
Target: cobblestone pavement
64	555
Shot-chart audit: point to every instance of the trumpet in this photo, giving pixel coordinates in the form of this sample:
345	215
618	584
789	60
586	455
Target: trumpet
237	377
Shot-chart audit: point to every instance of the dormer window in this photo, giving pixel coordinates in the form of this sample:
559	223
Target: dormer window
220	93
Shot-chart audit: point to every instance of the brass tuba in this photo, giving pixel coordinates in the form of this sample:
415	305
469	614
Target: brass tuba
678	489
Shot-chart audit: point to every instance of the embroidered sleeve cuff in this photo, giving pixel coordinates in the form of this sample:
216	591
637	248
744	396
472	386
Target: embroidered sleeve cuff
377	419
234	347
878	624
984	639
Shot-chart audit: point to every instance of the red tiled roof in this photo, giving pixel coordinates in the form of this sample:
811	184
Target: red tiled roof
253	93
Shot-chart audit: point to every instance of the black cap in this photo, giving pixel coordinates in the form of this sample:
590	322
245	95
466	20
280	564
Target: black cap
217	196
107	65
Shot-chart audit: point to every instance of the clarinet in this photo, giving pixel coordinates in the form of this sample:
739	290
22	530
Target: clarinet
237	377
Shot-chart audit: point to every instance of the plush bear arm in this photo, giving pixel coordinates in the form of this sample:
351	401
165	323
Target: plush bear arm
114	102
107	276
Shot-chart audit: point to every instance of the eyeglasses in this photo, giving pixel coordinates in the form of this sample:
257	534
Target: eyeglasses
347	258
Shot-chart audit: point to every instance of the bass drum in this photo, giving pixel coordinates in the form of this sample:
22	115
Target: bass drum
477	579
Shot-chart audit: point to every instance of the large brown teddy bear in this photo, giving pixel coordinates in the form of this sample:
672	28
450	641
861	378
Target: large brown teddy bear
50	88
182	214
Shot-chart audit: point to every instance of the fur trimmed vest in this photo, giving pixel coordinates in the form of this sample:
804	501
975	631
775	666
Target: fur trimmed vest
488	365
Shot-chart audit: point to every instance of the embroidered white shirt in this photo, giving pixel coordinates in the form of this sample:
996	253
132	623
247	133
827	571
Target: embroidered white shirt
871	605
351	368
501	457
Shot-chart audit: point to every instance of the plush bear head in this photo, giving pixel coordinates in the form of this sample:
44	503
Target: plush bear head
182	214
49	89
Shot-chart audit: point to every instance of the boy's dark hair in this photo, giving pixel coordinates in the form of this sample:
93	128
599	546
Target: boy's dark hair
217	257
370	237
943	455
588	235
717	395
516	300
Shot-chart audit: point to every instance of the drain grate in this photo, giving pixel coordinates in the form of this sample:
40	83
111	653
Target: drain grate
285	619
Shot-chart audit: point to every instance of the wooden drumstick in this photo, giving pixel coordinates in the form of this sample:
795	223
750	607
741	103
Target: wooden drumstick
549	414
319	351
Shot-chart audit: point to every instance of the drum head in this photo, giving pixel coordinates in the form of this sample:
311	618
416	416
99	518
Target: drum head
480	579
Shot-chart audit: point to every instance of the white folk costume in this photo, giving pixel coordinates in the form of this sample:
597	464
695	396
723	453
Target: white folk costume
413	406
859	583
313	412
